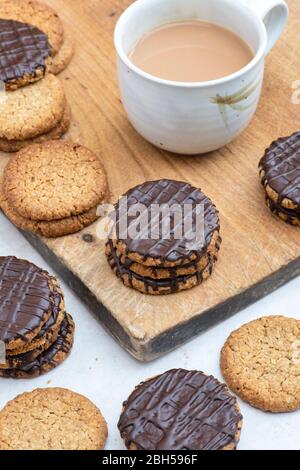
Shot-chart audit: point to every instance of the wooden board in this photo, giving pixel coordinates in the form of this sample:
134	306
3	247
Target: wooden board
259	253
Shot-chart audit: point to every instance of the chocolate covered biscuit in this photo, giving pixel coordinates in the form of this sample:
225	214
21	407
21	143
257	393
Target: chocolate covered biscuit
45	338
48	359
26	301
177	241
154	272
181	410
280	176
159	250
37	14
24	53
164	286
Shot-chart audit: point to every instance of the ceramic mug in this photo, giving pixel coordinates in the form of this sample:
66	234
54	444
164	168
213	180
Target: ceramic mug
193	118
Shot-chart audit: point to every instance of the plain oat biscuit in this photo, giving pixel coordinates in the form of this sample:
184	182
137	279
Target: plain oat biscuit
54	180
38	14
52	229
55	134
64	56
261	363
52	419
33	110
49	229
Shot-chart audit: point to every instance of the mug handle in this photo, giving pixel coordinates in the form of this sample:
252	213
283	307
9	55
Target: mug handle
274	14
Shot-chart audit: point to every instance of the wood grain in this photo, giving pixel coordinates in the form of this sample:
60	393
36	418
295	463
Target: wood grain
259	252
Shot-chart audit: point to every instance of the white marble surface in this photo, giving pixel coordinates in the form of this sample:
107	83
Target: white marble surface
101	370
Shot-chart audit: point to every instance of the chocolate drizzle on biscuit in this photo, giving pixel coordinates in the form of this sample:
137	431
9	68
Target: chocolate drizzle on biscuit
50	323
23	50
170	193
26	299
48	359
162	272
280	168
62	344
171	284
47	333
180	410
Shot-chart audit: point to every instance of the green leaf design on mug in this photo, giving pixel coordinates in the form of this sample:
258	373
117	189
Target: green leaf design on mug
234	101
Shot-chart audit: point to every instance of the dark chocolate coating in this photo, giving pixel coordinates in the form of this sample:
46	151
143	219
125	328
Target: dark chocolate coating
171	271
281	165
180	410
26	299
48	359
171	193
24	358
173	283
53	318
23	49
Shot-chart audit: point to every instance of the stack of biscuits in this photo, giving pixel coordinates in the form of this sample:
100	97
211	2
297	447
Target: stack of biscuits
280	176
36	333
151	262
53	189
33	47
